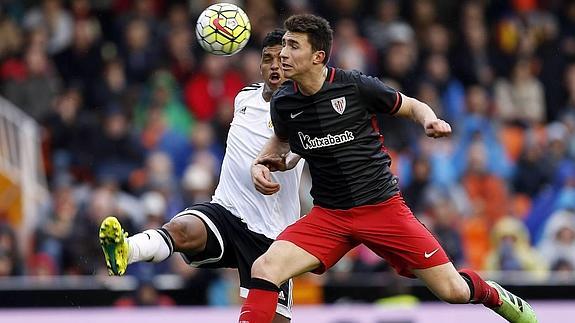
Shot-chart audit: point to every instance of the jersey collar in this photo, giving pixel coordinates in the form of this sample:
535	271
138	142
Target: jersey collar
329	78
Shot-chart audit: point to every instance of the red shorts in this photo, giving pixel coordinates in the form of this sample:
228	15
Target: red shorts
389	229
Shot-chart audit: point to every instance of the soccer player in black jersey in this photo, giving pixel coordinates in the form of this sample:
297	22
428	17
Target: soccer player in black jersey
326	115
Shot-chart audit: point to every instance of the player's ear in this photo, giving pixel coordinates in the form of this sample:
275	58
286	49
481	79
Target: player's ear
318	57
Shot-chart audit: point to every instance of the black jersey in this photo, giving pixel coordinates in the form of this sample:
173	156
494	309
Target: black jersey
335	131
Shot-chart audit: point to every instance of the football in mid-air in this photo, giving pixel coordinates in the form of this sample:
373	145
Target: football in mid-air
223	29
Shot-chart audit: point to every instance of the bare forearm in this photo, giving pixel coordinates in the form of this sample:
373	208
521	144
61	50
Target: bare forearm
274	147
418	111
274	155
424	115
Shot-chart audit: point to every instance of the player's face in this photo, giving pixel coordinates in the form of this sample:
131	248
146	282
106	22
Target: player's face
270	66
297	56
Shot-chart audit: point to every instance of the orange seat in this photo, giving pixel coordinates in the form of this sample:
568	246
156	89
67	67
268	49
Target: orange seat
513	139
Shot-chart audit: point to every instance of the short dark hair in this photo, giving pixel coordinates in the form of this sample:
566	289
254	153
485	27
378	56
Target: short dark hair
273	38
318	30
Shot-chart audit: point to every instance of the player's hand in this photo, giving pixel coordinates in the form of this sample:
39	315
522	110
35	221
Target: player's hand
437	128
273	163
262	178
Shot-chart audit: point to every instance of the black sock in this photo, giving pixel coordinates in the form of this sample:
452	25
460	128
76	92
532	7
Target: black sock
470	284
263	284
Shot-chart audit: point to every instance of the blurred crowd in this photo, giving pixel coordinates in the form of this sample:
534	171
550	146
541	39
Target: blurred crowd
135	116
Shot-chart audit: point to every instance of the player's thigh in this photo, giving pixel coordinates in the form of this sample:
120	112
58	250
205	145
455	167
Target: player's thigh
323	235
445	282
392	231
212	247
282	261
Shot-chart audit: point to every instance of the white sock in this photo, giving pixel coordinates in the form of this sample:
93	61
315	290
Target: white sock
150	245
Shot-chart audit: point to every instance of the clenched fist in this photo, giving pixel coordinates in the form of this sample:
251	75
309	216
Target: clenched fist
437	128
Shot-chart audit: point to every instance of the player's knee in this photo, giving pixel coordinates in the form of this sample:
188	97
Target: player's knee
186	232
177	231
266	268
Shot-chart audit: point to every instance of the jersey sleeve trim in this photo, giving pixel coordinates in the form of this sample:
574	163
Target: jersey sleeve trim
251	87
332	75
397	103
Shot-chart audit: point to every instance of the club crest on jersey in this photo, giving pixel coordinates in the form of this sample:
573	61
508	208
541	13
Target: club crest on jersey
338	104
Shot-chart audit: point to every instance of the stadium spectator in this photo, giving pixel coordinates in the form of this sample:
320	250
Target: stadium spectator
474	59
111	86
451	92
487	192
204	148
218	84
56	231
521	99
478	126
163	95
180	54
557	245
383	24
54	18
351	51
117	153
138	52
444	222
10	260
512	250
34	86
531	172
70	136
79	65
13	39
416	192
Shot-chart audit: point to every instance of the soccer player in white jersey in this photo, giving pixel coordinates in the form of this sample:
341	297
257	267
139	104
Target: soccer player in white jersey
239	224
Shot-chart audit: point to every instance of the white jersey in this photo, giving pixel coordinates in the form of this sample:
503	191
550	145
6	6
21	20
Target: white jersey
250	130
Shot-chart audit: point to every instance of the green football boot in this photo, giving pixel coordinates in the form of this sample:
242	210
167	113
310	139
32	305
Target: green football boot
114	243
513	308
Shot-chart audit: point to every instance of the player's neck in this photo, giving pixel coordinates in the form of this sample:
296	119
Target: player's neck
268	92
312	81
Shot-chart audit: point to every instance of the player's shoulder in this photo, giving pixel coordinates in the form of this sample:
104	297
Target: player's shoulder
252	87
347	76
249	91
286	89
359	79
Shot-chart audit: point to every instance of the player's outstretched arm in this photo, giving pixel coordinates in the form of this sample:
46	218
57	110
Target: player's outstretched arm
276	155
271	158
424	115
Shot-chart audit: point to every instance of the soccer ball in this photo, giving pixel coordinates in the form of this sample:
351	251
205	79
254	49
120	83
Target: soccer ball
223	29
